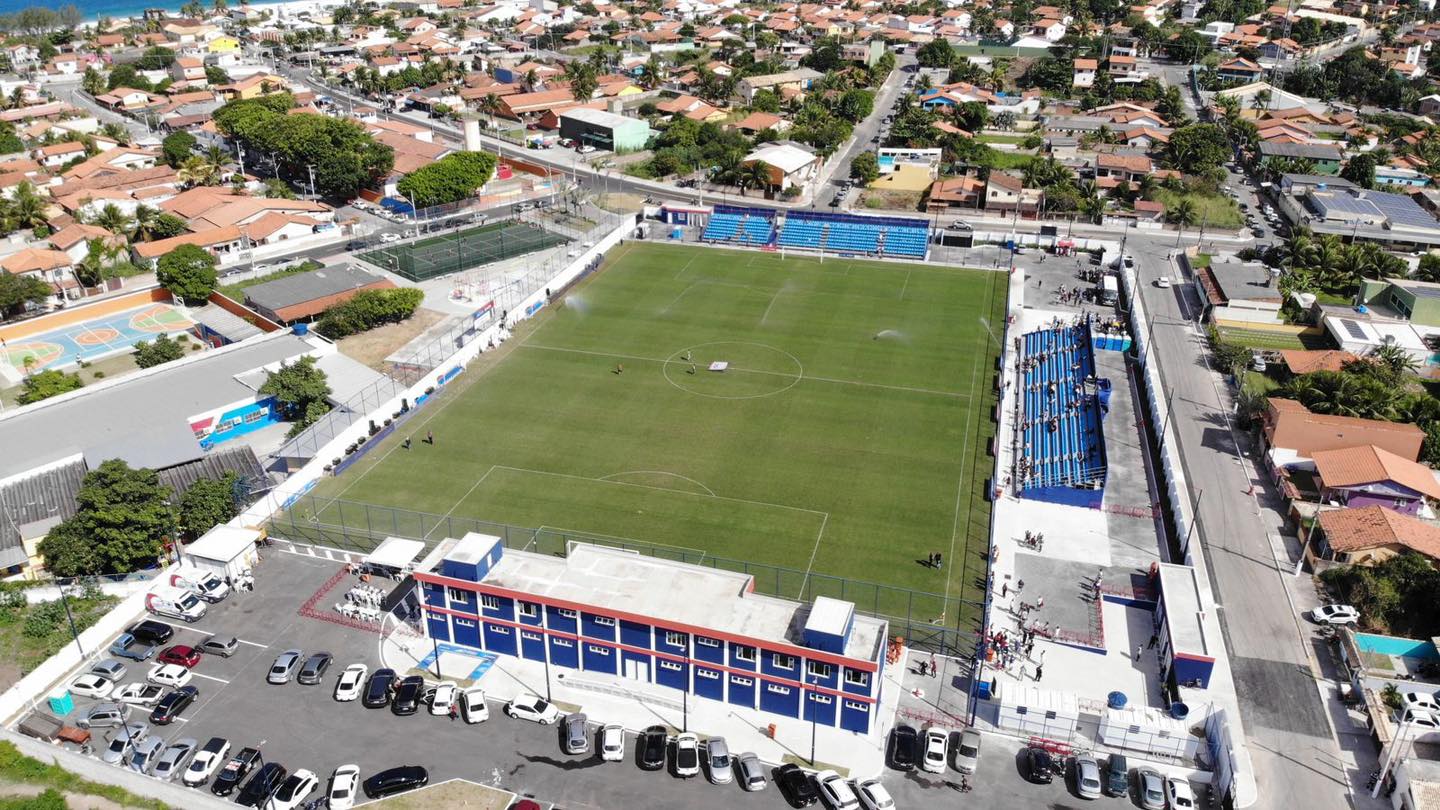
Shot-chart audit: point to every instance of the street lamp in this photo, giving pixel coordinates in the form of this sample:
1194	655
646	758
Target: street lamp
1408	723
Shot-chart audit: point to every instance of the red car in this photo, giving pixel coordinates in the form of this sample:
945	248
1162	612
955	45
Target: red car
180	654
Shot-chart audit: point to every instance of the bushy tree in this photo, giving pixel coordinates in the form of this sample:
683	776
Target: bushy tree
1360	170
162	349
453	177
301	393
937	53
122	517
188	272
208	503
17	291
46	384
855	105
177	148
344	156
368	309
1198	148
865	167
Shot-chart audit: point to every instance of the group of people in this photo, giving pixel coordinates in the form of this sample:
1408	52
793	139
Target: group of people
1071	296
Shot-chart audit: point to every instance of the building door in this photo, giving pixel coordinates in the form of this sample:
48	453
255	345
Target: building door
637	670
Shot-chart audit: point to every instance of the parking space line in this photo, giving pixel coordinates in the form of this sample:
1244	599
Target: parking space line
208	677
254	644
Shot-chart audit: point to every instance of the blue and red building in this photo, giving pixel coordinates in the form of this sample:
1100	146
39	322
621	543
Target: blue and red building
635	618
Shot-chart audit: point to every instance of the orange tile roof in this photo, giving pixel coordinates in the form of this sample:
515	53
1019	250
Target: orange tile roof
1371	526
1303	362
1354	466
32	259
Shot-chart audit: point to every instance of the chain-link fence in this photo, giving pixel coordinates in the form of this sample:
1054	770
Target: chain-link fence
453	252
927	620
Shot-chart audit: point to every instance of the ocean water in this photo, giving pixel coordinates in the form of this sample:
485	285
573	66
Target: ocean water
117	9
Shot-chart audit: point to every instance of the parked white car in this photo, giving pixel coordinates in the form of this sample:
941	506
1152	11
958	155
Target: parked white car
172	675
835	791
612	743
352	680
1335	614
687	755
206	761
473	708
1180	795
387	238
532	707
343	787
294	791
92	686
936	740
444	698
873	795
138	694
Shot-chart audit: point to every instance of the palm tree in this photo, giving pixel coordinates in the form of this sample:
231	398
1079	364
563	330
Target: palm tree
998	71
1229	108
197	171
1261	100
1146	187
1092	204
530	80
754	175
1393	358
490	105
1182	213
27	208
652	73
146	219
90	271
192	9
112	219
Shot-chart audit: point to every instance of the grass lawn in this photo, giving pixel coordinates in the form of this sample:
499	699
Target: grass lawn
847	437
32	633
1215	210
236	292
16	768
1010	160
1264	339
1259	383
1200	260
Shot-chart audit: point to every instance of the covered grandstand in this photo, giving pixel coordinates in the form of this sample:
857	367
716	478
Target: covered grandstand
850	233
1059	434
751	227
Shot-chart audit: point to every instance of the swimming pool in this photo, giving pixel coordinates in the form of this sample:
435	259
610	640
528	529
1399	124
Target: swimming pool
1398	647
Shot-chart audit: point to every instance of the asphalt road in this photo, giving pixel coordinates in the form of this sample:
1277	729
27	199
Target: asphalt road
1297	760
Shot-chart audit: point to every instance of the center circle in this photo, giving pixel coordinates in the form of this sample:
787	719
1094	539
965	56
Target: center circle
755	370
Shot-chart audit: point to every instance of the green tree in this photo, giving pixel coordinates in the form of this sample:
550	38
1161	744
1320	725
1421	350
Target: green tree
1360	170
368	309
208	503
865	168
301	391
17	291
453	177
937	53
46	384
122	515
216	75
162	349
1198	148
93	82
177	147
855	105
278	189
188	272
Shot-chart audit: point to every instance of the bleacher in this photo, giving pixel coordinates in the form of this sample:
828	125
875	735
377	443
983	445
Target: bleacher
1061	439
753	227
848	233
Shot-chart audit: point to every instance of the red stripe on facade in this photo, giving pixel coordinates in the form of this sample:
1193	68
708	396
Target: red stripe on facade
658	624
679	659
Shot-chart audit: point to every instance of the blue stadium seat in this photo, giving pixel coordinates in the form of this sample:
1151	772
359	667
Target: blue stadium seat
1073	454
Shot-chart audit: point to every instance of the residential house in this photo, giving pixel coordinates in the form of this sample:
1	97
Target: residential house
54	267
1289	426
1085	70
1370	476
956	192
1239	70
1006	194
1371	535
74	240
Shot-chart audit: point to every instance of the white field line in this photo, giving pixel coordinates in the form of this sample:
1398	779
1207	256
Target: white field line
964	455
813	552
459	501
658	489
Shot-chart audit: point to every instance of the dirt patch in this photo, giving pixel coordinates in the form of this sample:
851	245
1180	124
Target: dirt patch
12	790
372	347
878	200
621	203
455	793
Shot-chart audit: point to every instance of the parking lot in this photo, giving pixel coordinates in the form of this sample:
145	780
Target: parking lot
304	727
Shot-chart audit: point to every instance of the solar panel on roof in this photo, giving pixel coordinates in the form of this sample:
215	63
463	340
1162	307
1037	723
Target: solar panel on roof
1354	329
1423	292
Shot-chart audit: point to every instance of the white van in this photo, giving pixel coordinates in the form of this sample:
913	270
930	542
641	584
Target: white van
176	603
206	584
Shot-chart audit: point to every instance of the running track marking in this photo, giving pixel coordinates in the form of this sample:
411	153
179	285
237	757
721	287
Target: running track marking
803	376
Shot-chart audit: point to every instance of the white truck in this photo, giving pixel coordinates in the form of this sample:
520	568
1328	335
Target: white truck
206	584
176	603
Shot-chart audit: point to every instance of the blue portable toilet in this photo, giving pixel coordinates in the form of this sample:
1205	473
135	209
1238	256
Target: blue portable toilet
61	702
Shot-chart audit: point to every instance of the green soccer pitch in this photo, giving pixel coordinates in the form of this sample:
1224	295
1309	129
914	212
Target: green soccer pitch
848	434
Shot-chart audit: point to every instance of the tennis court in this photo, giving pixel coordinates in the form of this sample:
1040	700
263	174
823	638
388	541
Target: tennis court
451	253
111	334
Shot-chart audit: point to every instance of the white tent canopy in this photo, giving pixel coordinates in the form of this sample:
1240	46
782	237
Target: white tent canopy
395	552
227	550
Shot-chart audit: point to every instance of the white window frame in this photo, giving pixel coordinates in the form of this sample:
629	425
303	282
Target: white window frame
458	596
498	629
857	705
459	622
598	650
563	642
705	641
529	635
777	688
670	665
489	602
604	621
568	613
739	681
707	673
775	659
816	697
529	610
744	653
857	677
825	670
674	639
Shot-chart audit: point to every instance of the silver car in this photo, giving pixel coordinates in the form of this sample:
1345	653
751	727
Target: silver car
172	761
1152	789
752	773
284	667
111	668
967	753
122	740
577	741
104	715
1087	777
144	754
717	760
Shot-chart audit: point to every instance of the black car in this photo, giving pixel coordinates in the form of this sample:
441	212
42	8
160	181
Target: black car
173	704
377	689
1039	766
795	786
903	741
396	780
262	785
407	695
234	771
314	670
152	632
651	747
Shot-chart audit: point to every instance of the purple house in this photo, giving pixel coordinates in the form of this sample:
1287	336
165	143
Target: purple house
1369	476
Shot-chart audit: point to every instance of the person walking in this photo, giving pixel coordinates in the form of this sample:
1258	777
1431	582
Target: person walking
1039	673
1004	589
1138	651
406	443
430	438
933	670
